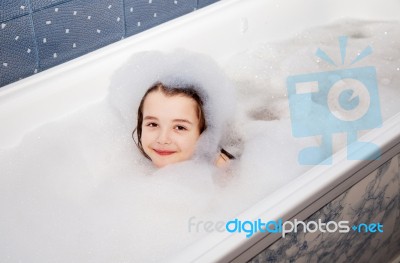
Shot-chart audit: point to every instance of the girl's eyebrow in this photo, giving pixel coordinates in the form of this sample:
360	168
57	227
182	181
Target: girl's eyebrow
175	120
149	118
183	120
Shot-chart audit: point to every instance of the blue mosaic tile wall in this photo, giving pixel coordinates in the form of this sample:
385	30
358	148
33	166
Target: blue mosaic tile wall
38	34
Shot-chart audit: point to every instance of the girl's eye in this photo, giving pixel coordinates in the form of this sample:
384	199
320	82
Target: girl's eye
151	124
180	128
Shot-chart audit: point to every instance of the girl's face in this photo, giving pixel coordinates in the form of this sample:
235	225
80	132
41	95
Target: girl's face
170	128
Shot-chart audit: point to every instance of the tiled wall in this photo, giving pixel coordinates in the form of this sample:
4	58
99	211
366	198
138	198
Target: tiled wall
38	34
375	199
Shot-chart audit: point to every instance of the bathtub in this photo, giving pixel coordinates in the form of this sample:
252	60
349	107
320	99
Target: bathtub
36	100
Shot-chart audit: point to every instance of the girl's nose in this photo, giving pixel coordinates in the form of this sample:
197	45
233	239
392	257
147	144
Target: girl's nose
163	137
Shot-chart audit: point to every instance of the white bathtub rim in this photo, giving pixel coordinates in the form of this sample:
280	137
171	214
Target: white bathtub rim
137	40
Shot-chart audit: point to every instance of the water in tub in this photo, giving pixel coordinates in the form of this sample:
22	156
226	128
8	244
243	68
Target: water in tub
77	189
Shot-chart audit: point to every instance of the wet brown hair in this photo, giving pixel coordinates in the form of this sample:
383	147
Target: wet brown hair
186	91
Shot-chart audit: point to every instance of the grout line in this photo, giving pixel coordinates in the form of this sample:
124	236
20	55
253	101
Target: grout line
48	6
123	13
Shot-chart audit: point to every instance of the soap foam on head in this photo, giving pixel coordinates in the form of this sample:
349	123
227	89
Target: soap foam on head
179	68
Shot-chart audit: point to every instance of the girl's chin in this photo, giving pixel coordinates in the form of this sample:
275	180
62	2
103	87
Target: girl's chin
161	164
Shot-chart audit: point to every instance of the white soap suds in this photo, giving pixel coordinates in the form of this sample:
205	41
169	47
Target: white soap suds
78	190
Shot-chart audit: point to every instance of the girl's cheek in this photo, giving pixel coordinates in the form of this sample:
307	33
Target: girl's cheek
146	135
148	130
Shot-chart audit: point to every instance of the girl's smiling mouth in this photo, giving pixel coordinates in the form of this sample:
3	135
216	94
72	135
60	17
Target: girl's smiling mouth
163	152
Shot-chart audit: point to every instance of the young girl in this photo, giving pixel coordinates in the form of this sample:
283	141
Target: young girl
170	121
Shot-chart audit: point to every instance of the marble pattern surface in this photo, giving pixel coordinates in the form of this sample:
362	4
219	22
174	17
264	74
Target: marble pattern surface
374	199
